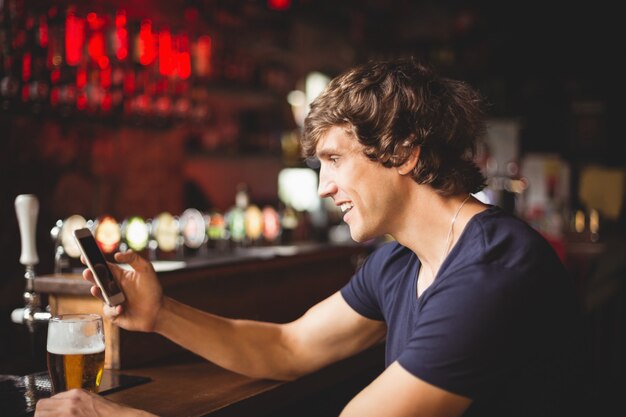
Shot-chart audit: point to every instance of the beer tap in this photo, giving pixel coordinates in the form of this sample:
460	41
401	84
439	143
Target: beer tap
27	209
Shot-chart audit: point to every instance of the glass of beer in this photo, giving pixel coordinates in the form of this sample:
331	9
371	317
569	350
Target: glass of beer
75	351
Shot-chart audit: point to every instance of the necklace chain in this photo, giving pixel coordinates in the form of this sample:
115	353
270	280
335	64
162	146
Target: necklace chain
446	249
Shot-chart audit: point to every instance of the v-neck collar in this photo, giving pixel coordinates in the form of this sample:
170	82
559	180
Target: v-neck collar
418	301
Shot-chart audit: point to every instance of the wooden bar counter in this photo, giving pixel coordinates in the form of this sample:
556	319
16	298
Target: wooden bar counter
195	388
276	284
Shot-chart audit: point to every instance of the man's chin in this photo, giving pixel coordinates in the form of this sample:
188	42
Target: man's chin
358	237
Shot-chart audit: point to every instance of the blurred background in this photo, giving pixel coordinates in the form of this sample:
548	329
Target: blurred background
138	108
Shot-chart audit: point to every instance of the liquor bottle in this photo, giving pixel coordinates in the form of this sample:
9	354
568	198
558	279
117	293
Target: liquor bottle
217	231
235	217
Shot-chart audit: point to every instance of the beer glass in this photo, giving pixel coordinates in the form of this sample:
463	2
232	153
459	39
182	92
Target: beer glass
75	351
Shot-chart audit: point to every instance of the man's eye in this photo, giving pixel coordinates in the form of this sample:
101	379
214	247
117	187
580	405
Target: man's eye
334	159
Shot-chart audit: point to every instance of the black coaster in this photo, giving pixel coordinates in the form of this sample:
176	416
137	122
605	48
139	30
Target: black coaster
19	394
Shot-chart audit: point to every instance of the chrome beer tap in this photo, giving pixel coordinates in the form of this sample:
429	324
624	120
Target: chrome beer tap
27	209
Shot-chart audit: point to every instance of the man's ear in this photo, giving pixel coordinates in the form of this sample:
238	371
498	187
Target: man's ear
411	162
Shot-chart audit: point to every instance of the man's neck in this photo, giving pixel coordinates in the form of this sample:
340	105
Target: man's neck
427	226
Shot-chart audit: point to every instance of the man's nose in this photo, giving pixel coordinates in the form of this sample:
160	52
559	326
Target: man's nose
326	187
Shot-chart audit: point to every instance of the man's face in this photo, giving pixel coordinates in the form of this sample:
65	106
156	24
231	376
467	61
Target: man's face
365	191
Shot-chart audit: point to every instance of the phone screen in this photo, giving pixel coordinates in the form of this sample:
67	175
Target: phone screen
92	251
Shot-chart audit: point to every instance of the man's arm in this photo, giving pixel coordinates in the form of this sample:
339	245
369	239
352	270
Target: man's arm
398	393
328	332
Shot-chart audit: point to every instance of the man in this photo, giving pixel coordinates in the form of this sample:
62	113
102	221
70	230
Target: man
478	314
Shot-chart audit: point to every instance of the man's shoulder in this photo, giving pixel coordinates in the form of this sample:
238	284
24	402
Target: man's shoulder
497	240
389	258
497	221
496	228
496	218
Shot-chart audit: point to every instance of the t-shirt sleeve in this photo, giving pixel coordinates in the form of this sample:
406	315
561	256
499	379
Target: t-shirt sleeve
362	291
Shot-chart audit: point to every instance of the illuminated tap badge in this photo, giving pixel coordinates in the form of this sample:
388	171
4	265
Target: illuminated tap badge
271	223
235	218
253	222
108	234
166	232
136	233
193	228
70	247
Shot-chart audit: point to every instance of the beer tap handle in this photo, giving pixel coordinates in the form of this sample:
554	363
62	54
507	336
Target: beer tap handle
27	209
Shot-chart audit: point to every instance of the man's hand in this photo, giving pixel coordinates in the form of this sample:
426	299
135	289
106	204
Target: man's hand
144	295
81	403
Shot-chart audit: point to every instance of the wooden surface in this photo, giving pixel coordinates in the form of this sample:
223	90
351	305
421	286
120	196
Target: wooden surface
194	388
189	389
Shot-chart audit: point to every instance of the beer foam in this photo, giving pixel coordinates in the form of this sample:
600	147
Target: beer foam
65	350
70	340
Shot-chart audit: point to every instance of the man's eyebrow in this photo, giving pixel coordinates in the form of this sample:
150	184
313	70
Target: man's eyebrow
325	153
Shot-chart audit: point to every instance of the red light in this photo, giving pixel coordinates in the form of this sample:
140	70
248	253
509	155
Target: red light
43	31
74	39
182	57
55	76
129	83
81	101
95	47
25	93
203	59
184	65
120	18
81	78
147	49
54	96
279	4
165	53
121	54
121	50
121	36
105	77
103	62
95	22
26	66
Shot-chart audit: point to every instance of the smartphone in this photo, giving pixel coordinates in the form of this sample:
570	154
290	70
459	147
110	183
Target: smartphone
111	291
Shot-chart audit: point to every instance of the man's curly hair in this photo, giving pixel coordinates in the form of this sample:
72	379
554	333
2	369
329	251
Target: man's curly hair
392	108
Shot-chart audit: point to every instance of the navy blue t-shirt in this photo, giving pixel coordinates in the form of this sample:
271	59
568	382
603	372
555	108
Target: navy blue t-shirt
497	325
